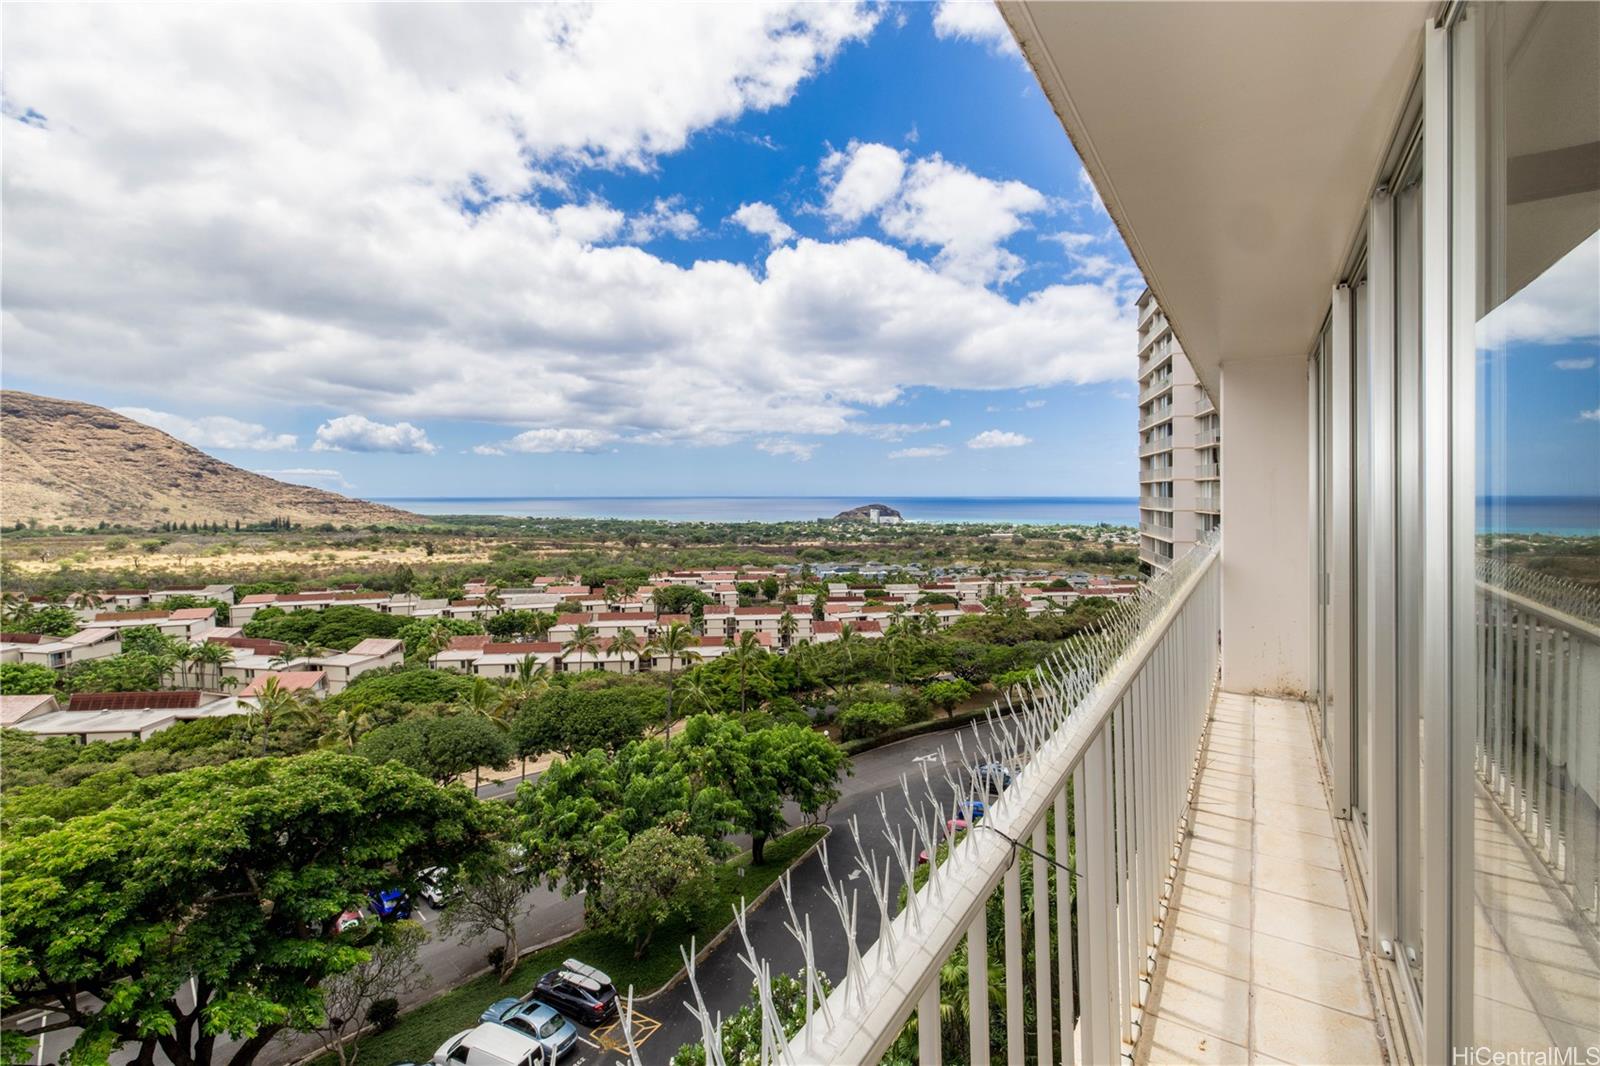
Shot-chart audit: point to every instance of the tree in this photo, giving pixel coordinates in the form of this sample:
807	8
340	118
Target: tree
26	679
657	876
487	898
212	656
222	876
441	748
948	695
679	599
678	643
52	620
391	968
585	640
746	657
426	637
273	704
625	643
787	626
569	719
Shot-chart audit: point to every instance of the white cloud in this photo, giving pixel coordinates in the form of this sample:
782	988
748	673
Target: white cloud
998	438
555	439
269	204
316	477
1033	405
893	431
764	221
213	431
799	451
1590	416
974	20
1556	307
1575	364
666	218
358	433
860	180
934	203
931	452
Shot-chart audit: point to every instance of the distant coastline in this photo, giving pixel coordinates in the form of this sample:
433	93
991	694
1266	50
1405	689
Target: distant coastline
1019	510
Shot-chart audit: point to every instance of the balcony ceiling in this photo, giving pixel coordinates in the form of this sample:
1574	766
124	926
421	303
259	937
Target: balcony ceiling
1234	144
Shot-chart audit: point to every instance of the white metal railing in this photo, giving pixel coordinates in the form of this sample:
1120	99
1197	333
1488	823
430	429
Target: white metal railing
1538	724
1156	417
1208	501
1160	502
1155	473
1161	444
1156	529
1155	387
1208	470
1206	437
1103	749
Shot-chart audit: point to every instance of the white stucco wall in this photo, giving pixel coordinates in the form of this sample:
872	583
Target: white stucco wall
1266	555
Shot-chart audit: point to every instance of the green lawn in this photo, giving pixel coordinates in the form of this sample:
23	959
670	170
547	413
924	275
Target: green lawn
419	1032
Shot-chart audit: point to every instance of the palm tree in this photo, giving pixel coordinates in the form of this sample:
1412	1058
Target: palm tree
677	642
185	655
787	627
531	673
848	640
695	693
625	643
585	640
492	598
213	654
746	654
294	650
85	599
541	623
273	703
345	729
481	698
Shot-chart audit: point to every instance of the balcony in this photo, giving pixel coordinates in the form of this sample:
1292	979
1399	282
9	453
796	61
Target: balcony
1208	471
1160	473
1161	503
1156	529
1209	502
1155	418
1154	447
1119	733
1207	437
1155	387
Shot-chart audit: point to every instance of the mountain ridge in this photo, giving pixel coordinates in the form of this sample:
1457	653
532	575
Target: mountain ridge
63	462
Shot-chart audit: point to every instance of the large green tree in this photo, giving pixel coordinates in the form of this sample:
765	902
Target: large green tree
225	877
656	876
443	747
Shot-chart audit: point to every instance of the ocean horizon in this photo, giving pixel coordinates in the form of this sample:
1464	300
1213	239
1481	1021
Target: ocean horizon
1020	510
1555	515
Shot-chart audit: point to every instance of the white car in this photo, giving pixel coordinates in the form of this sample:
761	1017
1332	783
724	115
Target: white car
490	1045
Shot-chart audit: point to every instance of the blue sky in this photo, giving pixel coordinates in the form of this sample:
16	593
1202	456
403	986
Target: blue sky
495	250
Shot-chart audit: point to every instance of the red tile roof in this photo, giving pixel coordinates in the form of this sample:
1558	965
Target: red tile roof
573	619
118	616
533	647
745	612
259	645
192	614
471	642
289	680
258	597
133	701
21	638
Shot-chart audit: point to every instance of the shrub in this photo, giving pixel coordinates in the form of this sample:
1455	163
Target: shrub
384	1012
864	720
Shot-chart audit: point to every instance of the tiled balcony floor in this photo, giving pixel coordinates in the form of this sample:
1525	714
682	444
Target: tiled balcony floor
1262	963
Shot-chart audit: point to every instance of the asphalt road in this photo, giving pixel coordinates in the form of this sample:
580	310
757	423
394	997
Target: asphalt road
724	979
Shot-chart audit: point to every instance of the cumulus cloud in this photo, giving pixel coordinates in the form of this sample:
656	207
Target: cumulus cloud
930	452
764	221
358	433
1575	364
974	20
1556	307
1033	405
998	438
893	431
860	180
1590	416
799	451
213	431
666	218
552	439
318	477
368	208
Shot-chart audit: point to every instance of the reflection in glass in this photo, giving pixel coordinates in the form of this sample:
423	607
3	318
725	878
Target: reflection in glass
1529	75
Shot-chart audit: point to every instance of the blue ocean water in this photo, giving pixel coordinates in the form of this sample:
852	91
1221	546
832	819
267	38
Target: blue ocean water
1566	516
1033	510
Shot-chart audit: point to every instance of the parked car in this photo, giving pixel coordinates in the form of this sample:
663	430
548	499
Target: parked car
537	1019
972	811
347	920
489	1045
390	905
581	992
432	889
994	777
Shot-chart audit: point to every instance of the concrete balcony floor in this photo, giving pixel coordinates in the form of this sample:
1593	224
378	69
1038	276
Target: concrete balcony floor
1261	962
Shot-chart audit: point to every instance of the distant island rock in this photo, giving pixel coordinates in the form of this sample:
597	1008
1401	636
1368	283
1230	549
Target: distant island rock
69	463
879	514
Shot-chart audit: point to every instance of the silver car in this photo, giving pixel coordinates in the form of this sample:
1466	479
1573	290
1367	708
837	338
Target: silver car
536	1019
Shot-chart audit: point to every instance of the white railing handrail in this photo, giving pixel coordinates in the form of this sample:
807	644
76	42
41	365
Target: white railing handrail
859	1028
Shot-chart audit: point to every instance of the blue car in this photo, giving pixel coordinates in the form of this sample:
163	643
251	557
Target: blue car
972	812
538	1020
390	905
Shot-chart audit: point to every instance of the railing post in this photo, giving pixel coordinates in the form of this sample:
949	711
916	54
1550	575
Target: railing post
1041	942
928	1024
1015	1054
978	988
1066	888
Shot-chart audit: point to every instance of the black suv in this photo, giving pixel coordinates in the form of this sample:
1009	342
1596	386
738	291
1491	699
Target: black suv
581	992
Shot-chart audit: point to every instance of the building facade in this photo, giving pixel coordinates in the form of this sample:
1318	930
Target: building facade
1180	446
